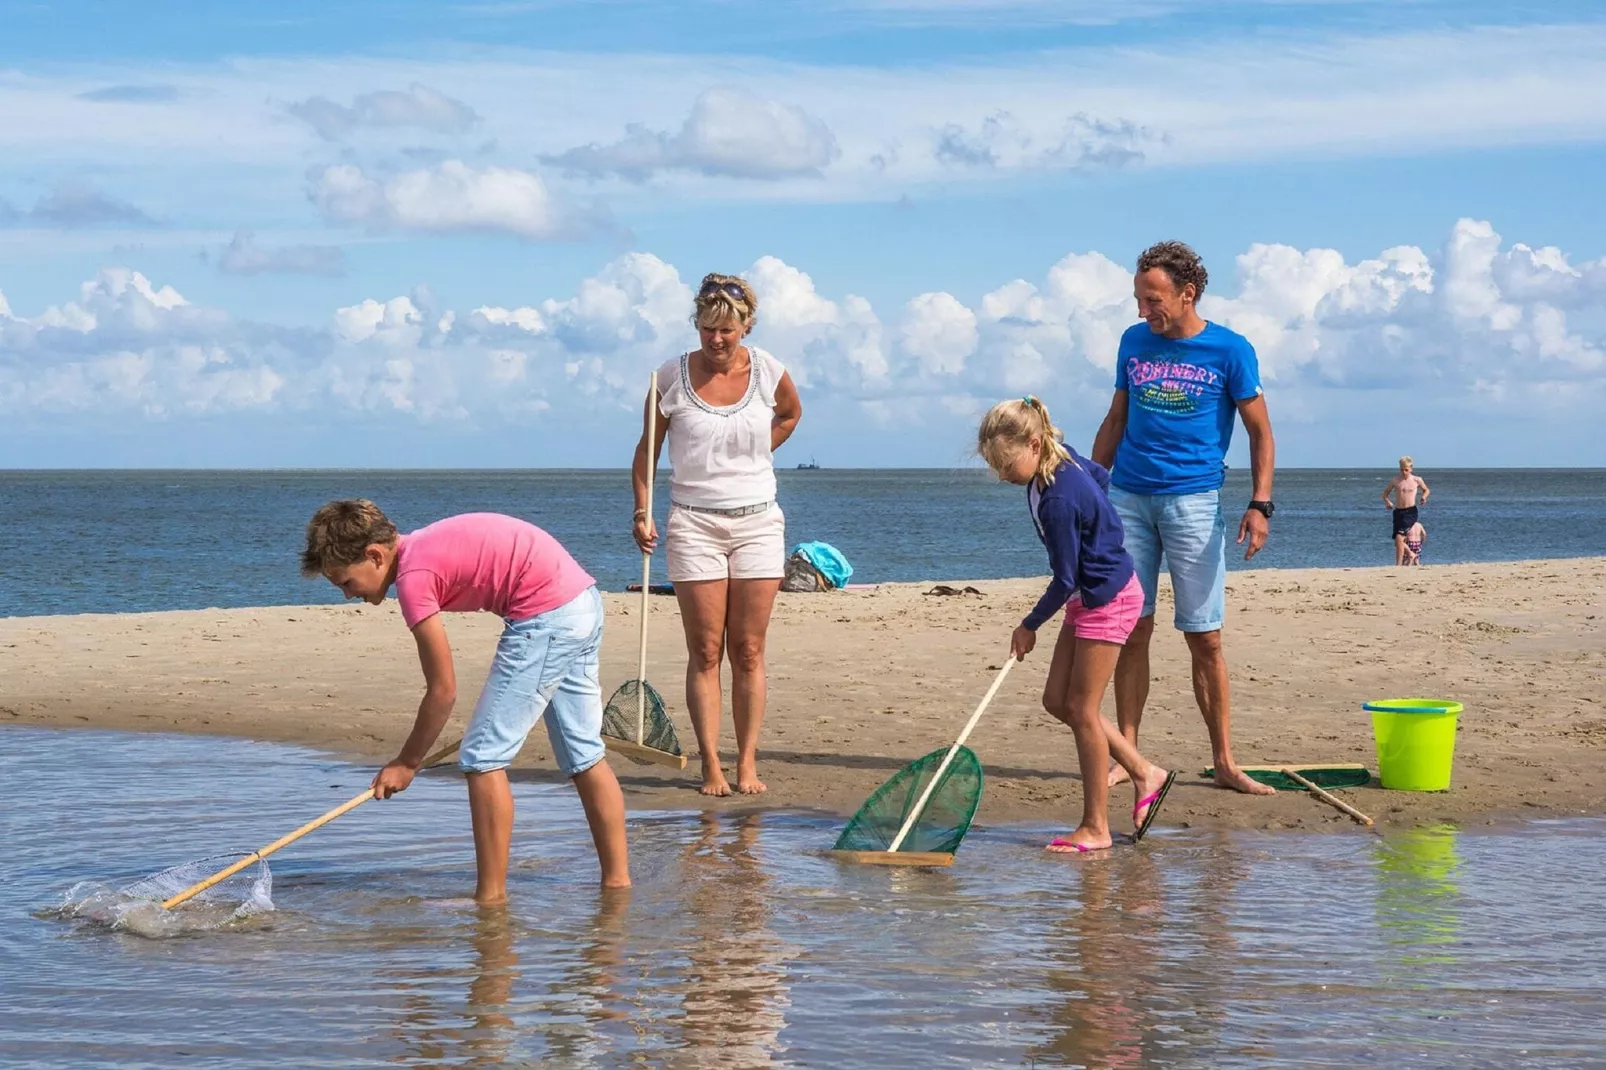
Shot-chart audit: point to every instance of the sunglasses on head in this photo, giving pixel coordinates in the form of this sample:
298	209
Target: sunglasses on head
729	289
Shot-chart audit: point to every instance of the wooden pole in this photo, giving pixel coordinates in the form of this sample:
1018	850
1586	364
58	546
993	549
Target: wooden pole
1328	799
646	564
284	841
925	796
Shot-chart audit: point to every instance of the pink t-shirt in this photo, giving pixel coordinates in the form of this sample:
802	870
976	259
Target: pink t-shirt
484	561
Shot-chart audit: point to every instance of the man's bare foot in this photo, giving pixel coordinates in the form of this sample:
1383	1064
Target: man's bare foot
1082	841
747	781
1117	776
1230	776
1153	781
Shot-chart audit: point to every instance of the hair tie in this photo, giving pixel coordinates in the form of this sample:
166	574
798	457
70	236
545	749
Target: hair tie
1028	400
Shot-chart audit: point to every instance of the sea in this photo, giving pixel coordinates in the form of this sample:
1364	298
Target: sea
120	541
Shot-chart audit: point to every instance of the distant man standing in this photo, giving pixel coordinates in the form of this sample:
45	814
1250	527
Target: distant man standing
1404	488
1179	380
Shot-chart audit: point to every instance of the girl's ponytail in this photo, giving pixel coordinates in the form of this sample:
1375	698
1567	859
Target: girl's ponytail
1010	426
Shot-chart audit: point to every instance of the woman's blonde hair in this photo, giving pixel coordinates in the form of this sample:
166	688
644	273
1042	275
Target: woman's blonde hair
1010	426
722	298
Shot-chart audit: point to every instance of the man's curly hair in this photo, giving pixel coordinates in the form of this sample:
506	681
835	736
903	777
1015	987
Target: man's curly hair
1180	263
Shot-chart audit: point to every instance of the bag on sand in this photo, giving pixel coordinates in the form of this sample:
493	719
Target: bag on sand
816	566
801	575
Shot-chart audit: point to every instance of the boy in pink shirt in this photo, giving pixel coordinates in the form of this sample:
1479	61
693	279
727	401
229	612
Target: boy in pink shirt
546	661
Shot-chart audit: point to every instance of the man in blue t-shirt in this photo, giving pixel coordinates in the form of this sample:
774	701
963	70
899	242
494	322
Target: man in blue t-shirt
1179	380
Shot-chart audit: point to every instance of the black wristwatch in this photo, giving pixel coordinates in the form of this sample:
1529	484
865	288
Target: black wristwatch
1265	508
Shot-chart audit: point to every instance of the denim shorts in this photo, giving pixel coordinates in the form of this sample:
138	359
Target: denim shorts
1189	532
545	664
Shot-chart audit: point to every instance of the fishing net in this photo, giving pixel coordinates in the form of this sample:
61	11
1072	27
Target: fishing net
1323	776
619	719
137	907
943	822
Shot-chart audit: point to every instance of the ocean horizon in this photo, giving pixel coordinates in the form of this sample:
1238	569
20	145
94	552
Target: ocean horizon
135	540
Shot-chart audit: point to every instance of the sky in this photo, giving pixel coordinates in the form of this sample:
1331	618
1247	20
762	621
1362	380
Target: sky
460	234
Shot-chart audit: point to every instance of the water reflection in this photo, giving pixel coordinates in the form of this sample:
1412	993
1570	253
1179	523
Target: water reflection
1098	953
736	994
1419	896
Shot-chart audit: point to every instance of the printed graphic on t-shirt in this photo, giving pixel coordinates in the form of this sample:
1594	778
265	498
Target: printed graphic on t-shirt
1170	386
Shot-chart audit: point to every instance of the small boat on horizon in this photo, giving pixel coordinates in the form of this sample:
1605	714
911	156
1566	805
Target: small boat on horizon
811	466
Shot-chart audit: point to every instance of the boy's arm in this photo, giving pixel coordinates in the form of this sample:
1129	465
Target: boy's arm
1424	485
440	694
1387	491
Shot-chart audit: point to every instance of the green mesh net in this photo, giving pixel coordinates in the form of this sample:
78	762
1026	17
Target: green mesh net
943	822
1323	776
619	718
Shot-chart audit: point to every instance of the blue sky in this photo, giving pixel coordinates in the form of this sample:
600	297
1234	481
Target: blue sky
460	234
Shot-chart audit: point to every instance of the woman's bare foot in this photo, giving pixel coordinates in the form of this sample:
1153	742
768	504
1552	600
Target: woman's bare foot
1230	776
714	782
1117	776
747	781
1082	841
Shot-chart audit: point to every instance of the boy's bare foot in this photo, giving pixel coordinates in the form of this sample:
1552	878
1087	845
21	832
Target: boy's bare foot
714	782
1232	777
1082	841
497	898
1117	776
747	781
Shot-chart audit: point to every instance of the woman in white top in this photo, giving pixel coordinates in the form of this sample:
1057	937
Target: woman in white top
724	409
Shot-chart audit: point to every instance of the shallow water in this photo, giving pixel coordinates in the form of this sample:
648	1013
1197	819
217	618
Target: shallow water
743	945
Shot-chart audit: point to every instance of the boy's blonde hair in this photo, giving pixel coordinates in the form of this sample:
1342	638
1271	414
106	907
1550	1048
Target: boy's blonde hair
340	533
1010	426
1406	462
718	302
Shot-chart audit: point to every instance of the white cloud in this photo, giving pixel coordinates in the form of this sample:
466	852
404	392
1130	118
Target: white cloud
1081	143
938	332
243	256
418	107
450	197
728	133
1478	326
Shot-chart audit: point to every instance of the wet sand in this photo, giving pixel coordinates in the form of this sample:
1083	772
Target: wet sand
863	681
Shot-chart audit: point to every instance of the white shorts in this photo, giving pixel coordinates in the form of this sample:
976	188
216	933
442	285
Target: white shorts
706	546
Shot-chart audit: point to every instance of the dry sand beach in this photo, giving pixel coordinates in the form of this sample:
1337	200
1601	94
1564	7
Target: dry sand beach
863	681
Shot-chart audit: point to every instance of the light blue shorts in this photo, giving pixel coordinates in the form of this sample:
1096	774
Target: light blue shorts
1189	532
545	664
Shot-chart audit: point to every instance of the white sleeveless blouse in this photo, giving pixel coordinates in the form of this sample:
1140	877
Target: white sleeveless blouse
720	453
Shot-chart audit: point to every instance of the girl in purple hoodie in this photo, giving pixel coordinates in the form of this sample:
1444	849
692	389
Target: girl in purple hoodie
1093	579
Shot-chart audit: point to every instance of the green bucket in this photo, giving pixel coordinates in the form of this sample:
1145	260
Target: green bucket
1415	742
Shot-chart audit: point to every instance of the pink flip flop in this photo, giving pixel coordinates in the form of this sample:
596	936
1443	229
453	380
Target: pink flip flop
1061	841
1153	803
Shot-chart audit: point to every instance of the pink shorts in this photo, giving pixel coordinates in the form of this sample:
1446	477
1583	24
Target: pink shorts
1110	623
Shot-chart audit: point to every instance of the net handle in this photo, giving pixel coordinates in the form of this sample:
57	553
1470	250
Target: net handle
925	796
291	837
646	561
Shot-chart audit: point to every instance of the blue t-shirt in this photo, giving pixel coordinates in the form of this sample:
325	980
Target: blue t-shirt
1182	394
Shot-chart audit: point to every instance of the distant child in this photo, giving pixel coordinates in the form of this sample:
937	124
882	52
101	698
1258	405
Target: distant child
546	660
1094	578
1415	539
1404	488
